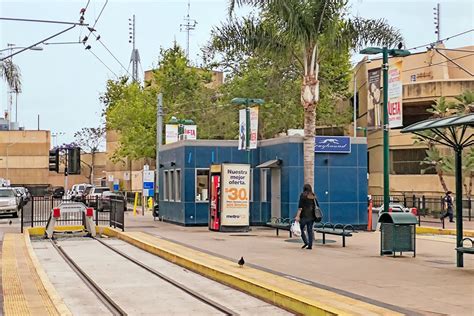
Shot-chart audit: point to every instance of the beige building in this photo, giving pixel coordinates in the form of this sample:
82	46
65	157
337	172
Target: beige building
24	161
426	76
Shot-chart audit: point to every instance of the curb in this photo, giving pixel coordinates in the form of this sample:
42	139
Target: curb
58	302
440	231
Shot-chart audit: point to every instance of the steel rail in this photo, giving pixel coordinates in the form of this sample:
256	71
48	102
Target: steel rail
182	287
103	297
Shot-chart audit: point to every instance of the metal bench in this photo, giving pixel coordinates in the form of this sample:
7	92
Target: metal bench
463	249
280	223
338	230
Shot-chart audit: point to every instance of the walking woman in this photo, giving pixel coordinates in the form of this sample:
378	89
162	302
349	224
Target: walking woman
306	215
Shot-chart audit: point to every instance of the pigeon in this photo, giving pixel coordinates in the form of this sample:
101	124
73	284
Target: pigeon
10	222
241	262
98	37
83	10
85	39
400	45
88	47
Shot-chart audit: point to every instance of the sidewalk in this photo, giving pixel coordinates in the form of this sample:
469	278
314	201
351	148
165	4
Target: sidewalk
429	284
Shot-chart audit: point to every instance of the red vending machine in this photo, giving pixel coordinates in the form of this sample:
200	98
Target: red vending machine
214	198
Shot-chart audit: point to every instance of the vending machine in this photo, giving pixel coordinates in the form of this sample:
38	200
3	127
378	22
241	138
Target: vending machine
229	207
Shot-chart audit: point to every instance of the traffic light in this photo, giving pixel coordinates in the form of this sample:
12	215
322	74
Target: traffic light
54	160
74	160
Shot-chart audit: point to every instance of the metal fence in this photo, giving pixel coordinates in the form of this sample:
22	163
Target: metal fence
37	211
428	207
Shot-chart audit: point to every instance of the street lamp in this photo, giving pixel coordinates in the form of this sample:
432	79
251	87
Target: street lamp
386	153
247	102
11	48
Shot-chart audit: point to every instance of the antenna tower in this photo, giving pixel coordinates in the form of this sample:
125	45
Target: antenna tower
188	26
135	57
437	22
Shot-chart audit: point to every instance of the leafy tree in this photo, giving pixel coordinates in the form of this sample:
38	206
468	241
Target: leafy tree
307	31
90	139
11	73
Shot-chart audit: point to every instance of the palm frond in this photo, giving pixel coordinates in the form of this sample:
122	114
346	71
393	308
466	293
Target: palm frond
11	73
362	32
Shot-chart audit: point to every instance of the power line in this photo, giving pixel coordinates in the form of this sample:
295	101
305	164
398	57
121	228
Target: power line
100	41
442	62
103	63
442	40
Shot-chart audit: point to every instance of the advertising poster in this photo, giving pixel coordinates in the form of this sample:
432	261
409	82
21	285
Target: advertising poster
253	127
242	130
190	131
235	186
395	94
171	131
374	97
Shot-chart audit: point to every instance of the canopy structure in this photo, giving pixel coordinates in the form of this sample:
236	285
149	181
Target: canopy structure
455	132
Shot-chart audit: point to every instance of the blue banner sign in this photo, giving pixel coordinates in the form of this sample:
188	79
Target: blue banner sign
332	144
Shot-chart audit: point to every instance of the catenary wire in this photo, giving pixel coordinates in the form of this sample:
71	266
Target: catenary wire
442	40
103	63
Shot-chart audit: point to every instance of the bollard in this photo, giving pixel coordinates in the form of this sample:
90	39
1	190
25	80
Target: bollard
135	204
369	224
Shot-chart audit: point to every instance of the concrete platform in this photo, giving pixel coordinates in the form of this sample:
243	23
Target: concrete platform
429	284
26	289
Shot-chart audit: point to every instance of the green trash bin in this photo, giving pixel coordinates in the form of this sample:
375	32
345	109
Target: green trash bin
397	233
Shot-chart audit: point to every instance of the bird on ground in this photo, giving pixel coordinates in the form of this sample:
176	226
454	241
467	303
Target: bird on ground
10	222
241	262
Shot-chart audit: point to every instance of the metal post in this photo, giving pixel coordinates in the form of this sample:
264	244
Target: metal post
386	150
159	142
355	104
458	151
247	127
65	171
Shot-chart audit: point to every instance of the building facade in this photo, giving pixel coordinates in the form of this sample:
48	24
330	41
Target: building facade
426	77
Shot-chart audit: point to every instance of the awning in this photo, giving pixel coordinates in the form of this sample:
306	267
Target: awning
275	163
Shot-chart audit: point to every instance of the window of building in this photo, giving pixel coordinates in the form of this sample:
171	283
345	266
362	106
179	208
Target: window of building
263	184
171	186
408	161
202	185
165	186
177	182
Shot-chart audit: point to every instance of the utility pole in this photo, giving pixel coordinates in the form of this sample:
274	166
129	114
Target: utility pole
437	22
135	57
159	142
188	26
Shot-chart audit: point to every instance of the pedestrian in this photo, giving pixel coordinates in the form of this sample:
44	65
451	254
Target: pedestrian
306	215
448	207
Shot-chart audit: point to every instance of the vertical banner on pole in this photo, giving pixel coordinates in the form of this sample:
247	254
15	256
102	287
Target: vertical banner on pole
253	127
395	94
242	129
374	98
171	133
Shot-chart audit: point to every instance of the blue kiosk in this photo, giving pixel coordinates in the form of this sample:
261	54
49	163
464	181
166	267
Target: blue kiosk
276	178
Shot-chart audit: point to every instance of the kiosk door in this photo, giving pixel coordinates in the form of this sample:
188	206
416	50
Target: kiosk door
215	201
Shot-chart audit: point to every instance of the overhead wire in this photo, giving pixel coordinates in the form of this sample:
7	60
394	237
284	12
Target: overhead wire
436	64
442	40
110	52
103	63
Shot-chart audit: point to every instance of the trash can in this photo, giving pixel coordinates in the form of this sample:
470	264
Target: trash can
397	233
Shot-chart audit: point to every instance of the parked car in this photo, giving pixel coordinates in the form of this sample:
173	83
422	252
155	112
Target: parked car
9	201
55	192
107	197
94	194
80	191
396	208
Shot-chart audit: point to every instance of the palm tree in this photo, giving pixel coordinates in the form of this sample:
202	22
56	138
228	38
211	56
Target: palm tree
304	31
11	73
465	102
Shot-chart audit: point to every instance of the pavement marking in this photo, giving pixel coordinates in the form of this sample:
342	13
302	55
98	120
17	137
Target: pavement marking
440	231
289	294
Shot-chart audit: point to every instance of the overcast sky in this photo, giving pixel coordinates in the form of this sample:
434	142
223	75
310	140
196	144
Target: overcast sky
62	83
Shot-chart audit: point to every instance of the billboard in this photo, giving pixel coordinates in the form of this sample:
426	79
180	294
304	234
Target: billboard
395	95
171	131
235	186
242	129
190	132
332	144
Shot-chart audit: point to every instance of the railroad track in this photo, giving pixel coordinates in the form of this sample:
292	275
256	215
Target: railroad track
113	306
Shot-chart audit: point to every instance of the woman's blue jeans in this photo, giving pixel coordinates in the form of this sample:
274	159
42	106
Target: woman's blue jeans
307	225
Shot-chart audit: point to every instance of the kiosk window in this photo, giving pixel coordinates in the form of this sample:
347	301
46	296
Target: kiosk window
165	185
202	185
171	186
263	184
177	185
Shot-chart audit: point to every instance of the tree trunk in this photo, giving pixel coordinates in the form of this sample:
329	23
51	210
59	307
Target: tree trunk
309	98
441	180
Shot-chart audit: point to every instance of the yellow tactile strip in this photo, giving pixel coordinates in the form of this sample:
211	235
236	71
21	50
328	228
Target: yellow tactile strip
23	291
289	294
440	231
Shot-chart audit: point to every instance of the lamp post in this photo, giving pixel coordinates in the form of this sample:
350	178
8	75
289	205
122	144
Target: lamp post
11	48
247	102
386	149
